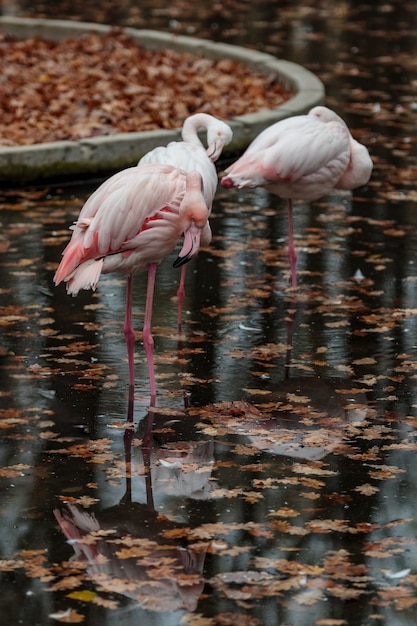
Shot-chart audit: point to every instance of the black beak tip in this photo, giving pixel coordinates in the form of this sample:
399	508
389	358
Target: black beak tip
181	260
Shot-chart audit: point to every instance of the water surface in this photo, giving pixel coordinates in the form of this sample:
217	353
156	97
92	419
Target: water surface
274	481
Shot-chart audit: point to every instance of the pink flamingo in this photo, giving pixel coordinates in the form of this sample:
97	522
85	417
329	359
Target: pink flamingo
191	155
129	224
302	158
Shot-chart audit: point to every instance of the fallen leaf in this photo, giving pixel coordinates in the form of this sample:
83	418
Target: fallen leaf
68	617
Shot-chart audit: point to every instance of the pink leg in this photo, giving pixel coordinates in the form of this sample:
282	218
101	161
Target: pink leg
292	255
147	333
129	332
180	296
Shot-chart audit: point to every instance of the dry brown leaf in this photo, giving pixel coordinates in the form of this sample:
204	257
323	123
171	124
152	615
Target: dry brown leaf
90	85
366	489
68	617
105	602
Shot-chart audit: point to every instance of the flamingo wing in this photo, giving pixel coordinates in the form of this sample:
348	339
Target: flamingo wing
290	150
117	211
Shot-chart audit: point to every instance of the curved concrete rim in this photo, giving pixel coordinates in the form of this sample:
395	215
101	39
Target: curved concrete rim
54	160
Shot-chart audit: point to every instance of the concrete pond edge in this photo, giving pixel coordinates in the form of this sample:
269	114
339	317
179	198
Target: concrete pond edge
86	157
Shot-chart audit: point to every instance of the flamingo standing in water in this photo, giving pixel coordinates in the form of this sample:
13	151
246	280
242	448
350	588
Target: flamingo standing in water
129	224
302	158
191	155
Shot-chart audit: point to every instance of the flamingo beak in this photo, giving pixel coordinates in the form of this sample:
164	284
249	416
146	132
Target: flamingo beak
214	150
190	246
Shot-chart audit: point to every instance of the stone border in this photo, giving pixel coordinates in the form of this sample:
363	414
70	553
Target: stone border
23	164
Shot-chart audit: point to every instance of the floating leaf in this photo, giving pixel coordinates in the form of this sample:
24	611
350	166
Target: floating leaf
68	617
367	489
83	595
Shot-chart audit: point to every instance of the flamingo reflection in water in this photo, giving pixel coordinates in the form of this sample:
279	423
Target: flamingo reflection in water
150	571
304	417
132	548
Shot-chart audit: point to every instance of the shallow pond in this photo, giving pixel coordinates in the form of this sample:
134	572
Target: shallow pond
274	481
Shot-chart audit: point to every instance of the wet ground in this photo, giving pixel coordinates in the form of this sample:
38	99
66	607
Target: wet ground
278	484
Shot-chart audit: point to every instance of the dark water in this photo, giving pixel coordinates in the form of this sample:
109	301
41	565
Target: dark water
278	484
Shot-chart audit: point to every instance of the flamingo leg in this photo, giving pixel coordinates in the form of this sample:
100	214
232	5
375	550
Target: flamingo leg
147	338
292	255
129	332
180	296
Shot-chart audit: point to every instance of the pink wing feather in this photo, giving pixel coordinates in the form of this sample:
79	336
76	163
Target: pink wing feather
289	150
117	211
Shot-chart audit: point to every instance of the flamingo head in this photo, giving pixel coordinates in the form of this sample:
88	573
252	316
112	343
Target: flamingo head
194	214
219	135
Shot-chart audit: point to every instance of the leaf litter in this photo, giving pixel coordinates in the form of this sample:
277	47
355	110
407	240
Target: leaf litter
121	87
311	471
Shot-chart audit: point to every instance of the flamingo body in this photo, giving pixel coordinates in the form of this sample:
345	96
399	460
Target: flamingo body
191	155
133	219
129	224
302	158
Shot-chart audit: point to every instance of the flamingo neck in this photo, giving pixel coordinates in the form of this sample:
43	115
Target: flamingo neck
191	126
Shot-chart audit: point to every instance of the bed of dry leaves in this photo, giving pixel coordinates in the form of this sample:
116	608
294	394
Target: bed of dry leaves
91	85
